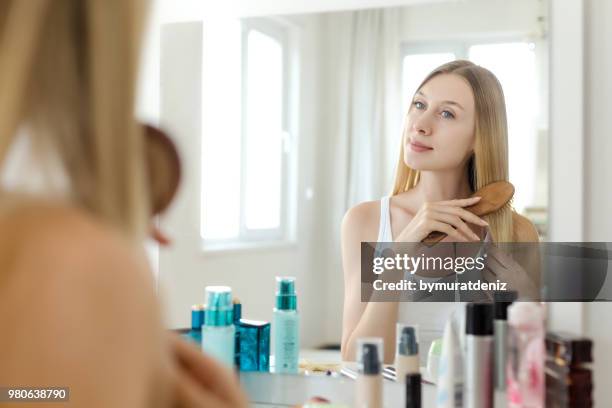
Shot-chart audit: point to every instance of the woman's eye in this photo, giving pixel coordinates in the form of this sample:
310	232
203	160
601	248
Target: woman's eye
418	105
447	115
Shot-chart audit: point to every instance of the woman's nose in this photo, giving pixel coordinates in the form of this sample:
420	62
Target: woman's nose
422	124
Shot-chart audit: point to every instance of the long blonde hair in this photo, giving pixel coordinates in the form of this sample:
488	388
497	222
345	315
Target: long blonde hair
489	162
68	71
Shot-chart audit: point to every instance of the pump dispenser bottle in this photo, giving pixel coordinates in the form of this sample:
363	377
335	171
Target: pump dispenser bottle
406	353
369	378
218	331
286	324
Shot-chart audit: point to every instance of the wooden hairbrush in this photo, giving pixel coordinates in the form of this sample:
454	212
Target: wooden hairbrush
493	197
163	166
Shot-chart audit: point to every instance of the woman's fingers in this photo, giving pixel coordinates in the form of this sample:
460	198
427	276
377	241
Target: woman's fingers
434	225
458	223
463	214
191	394
208	372
462	202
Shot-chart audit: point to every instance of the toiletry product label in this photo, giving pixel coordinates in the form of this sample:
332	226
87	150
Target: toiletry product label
286	341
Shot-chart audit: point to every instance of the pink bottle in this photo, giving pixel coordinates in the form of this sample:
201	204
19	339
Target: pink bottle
525	365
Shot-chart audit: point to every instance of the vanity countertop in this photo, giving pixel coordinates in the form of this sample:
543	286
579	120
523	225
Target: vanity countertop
278	390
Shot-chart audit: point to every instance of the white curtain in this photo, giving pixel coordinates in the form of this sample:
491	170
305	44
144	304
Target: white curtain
362	121
367	58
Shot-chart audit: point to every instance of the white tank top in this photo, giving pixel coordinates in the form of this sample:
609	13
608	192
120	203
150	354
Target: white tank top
429	316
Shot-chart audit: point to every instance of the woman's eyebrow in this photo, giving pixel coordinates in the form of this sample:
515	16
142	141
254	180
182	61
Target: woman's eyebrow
443	102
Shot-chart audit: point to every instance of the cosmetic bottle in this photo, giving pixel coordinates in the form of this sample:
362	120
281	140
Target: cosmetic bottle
254	345
569	375
433	358
253	342
449	384
502	299
218	331
413	390
369	381
525	366
236	315
406	351
478	391
286	326
197	319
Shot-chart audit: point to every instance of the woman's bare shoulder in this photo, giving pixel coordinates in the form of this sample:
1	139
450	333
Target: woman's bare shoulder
524	230
61	235
362	221
84	292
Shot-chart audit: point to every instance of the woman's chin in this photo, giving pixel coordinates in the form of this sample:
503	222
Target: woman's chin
416	163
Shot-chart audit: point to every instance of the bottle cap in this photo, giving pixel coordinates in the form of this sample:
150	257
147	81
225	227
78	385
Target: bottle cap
370	351
219	307
503	299
479	319
286	298
197	316
526	315
407	344
413	390
237	309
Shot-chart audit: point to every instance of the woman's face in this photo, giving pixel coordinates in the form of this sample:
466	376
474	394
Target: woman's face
439	132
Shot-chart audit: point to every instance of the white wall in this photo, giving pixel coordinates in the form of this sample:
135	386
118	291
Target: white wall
466	20
185	269
598	177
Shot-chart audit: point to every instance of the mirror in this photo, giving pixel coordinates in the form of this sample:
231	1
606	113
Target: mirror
286	121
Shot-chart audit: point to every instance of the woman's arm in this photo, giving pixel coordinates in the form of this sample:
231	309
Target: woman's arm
363	319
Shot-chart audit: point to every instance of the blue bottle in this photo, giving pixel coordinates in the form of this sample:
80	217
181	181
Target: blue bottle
286	326
197	320
253	342
218	331
254	345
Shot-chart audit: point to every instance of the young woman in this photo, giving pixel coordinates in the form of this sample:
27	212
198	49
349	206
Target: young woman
77	302
454	142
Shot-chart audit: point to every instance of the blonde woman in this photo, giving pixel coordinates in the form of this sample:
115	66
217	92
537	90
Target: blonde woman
454	142
77	301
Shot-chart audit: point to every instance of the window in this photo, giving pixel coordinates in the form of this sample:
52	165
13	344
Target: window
514	64
245	140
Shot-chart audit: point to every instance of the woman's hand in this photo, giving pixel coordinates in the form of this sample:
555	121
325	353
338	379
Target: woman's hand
202	381
502	266
448	217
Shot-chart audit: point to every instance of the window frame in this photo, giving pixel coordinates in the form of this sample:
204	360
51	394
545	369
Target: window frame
282	235
460	47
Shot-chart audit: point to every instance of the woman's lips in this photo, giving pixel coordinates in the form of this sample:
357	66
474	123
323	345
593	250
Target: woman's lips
417	147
